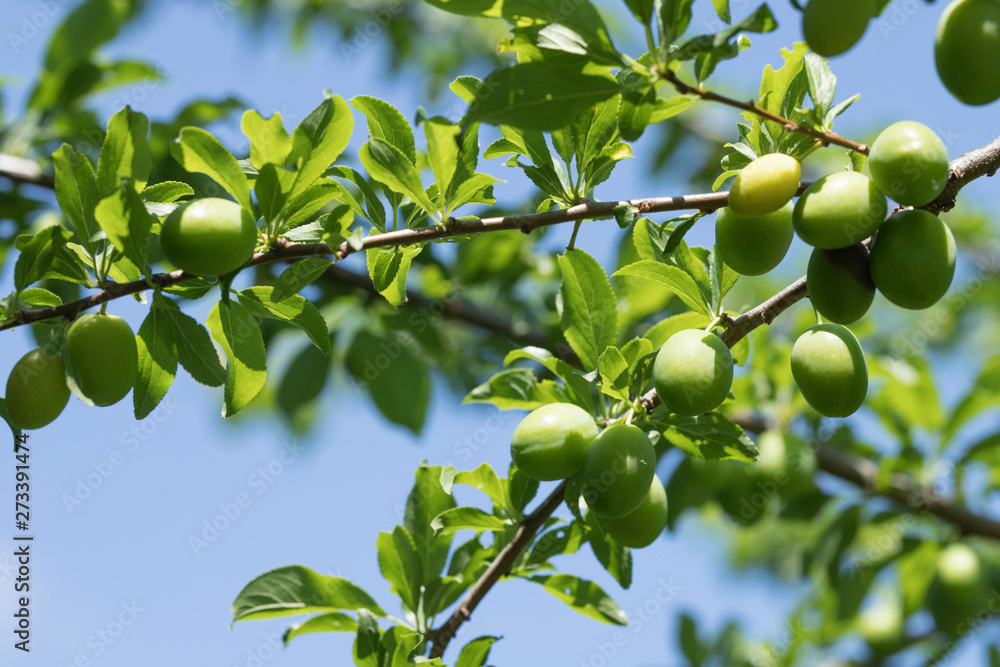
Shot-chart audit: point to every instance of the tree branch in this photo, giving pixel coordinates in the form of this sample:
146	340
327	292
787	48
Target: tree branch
825	138
23	170
498	568
962	171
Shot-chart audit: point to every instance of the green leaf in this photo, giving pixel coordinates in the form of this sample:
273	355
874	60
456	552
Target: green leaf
15	430
198	151
389	274
166	192
984	394
442	149
124	153
301	386
388	165
294	309
124	218
36	255
467	517
577	386
584	596
298	275
614	556
194	348
334	621
664	329
37	297
614	370
76	192
517	388
269	141
318	141
427	500
566	538
482	478
298	590
476	652
395	374
236	331
387	124
677	280
400	565
157	359
522	490
538	96
368	640
589	309
711	437
722	9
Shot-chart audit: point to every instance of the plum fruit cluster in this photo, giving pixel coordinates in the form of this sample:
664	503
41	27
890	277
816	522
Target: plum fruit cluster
911	261
105	361
616	467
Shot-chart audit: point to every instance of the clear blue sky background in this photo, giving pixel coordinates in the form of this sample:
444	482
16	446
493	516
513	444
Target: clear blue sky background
128	543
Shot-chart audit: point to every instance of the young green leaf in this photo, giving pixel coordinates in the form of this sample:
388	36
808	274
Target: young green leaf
298	590
269	141
427	500
76	192
482	478
396	376
517	388
157	359
36	255
677	280
198	151
387	124
614	371
711	437
333	621
461	518
584	596
368	640
124	153
236	331
589	311
318	141
298	275
124	218
476	652
389	166
400	565
294	309
615	557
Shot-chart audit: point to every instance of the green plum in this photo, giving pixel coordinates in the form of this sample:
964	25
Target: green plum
784	461
552	441
839	210
958	591
36	390
209	237
967	50
617	471
831	27
640	527
765	185
753	245
881	625
909	162
106	357
830	370
839	283
913	259
693	372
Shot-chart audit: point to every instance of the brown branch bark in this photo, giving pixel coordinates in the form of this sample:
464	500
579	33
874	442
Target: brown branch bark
826	138
962	171
23	170
498	568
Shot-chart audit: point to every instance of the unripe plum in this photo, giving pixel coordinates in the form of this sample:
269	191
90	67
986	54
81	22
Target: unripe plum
693	372
765	185
958	590
106	356
913	259
967	50
840	284
831	27
839	210
753	245
552	441
209	237
36	390
617	471
881	625
830	370
784	461
640	527
909	162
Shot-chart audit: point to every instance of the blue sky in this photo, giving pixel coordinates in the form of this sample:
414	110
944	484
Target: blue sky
124	554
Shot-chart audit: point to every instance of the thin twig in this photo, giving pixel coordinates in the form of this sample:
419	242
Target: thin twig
825	138
498	568
23	170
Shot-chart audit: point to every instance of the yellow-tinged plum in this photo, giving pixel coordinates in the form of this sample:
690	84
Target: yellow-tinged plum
552	441
209	237
104	351
830	370
839	210
765	185
831	27
909	162
36	390
913	259
753	245
617	471
881	625
967	50
640	527
693	372
839	283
